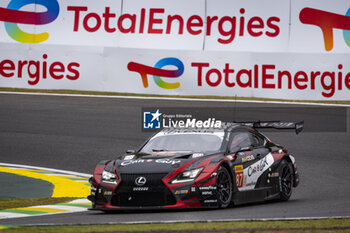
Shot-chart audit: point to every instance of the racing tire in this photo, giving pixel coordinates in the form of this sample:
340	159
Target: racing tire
286	180
224	187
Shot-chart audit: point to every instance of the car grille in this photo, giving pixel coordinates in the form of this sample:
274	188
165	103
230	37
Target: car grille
156	195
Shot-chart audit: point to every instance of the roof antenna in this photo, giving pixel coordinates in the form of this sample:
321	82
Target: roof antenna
234	110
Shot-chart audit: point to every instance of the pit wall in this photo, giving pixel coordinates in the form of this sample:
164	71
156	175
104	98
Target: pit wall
271	49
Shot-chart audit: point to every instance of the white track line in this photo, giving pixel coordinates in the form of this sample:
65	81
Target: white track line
232	220
6	215
47	169
193	221
69	209
174	98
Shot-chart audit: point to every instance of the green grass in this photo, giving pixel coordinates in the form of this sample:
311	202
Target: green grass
168	96
25	202
327	225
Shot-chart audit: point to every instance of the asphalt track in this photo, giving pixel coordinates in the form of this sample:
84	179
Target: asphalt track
74	133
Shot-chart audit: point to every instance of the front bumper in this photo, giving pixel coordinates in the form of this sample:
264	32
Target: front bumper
156	196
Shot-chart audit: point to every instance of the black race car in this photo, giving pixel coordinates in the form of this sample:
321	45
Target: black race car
180	168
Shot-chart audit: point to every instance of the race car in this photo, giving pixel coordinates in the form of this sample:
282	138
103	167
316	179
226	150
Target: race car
201	167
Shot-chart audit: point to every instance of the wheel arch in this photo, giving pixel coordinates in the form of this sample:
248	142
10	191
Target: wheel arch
227	166
232	175
295	171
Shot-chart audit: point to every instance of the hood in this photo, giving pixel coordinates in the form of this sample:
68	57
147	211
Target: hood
157	162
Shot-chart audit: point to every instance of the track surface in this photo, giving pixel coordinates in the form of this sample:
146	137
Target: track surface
74	133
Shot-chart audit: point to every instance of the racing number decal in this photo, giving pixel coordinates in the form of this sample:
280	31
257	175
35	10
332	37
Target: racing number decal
239	175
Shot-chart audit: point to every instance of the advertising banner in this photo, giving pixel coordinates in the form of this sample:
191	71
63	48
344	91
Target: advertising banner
271	49
247	25
229	25
162	24
169	72
320	26
270	75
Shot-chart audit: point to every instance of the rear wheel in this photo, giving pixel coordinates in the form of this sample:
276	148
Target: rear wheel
224	187
286	180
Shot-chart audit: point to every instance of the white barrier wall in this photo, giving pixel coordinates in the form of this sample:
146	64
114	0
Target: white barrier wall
272	48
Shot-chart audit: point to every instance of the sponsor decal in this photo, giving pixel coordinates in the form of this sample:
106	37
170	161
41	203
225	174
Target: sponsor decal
168	161
140	181
251	174
207	188
252	183
128	162
280	183
137	189
193	189
162	161
248	158
274	174
129	157
107	193
206	193
257	167
210	201
12	16
239	175
158	72
181	192
197	155
238	168
327	21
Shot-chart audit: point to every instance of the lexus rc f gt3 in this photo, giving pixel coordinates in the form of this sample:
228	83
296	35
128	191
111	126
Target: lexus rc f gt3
189	168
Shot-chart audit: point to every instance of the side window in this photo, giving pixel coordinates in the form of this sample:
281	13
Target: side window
240	140
258	140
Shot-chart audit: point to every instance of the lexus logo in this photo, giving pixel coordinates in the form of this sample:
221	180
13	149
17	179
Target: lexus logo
140	181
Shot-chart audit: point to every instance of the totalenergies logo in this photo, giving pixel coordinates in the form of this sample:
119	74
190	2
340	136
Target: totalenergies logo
158	72
13	16
327	21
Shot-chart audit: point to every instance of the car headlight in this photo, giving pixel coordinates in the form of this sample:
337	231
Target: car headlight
187	176
108	177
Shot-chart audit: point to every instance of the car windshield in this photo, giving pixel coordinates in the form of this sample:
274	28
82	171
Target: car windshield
183	142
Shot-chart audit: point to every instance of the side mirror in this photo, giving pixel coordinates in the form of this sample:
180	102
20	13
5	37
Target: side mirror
246	148
242	149
130	151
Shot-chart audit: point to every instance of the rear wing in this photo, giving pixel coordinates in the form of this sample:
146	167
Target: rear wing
297	126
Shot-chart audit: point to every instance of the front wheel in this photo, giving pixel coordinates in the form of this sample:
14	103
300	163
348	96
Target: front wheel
224	187
286	180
